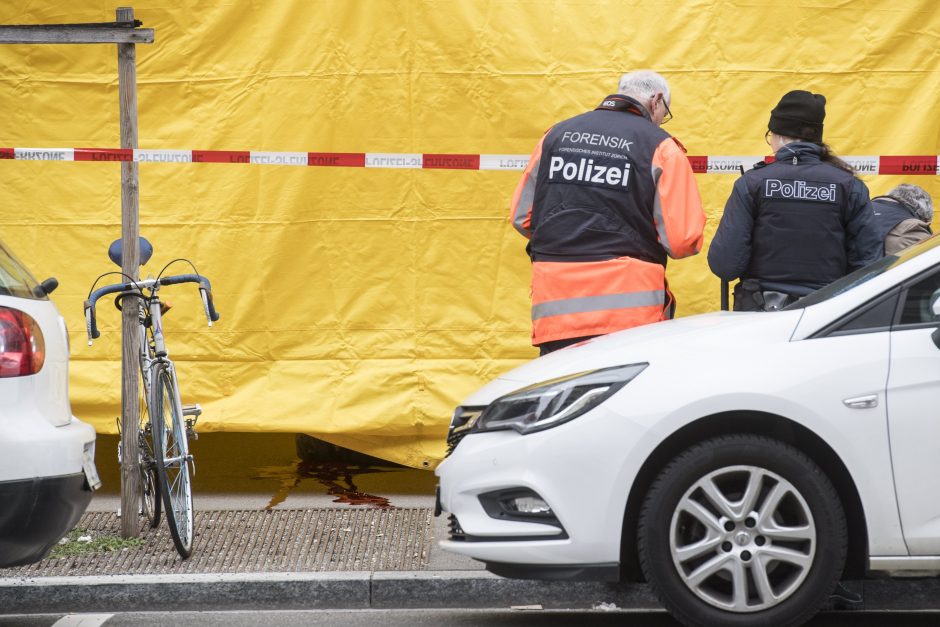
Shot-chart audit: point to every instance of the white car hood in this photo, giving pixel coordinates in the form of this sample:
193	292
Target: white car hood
662	341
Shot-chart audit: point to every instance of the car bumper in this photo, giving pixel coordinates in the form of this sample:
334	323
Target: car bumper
36	513
44	487
32	447
587	498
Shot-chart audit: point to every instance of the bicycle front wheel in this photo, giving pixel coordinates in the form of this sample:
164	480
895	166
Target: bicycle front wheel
171	451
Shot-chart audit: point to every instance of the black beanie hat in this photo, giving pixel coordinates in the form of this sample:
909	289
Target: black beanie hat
800	115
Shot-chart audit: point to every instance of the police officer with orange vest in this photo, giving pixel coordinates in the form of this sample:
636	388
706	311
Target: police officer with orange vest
798	223
607	196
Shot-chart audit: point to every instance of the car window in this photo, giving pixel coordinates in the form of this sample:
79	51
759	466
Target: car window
918	301
15	279
865	274
875	316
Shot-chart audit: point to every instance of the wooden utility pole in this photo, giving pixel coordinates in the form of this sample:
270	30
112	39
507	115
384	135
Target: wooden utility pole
125	34
130	255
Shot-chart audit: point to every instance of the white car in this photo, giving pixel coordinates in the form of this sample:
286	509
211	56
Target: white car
47	468
741	463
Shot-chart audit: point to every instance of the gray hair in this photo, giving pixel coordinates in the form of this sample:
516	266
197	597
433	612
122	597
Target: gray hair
643	84
916	199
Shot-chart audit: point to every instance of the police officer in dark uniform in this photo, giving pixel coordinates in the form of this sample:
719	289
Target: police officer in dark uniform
795	224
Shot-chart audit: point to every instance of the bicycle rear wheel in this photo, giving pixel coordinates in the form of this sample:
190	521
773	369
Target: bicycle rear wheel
150	499
149	480
172	457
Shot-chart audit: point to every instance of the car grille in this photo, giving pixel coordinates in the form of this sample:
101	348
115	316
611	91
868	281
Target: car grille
456	532
460	425
453	439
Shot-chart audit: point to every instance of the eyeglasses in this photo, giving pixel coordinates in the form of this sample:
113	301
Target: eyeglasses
767	136
668	115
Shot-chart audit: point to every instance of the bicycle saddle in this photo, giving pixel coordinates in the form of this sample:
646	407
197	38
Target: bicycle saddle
114	251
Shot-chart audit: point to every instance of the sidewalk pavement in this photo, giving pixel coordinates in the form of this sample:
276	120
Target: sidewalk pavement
313	554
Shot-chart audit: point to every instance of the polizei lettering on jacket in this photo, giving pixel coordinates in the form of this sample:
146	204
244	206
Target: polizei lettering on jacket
800	190
587	171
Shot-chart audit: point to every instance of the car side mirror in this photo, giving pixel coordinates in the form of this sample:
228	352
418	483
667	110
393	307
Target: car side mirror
935	304
46	287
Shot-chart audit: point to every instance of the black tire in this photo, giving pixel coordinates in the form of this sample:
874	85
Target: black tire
173	466
150	498
150	489
150	505
315	451
697	558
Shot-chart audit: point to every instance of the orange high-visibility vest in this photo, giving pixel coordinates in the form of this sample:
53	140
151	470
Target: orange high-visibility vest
606	197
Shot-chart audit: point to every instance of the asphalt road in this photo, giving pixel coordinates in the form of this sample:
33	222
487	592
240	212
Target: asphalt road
429	618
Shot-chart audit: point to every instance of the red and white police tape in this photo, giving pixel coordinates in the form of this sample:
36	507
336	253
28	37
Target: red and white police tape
908	165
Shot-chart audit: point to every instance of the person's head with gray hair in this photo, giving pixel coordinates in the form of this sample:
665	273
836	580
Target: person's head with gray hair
651	90
916	199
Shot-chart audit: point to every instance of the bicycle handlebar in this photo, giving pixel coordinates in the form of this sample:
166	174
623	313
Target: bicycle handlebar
135	287
205	288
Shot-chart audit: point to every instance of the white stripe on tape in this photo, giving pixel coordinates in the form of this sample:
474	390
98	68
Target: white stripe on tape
503	162
44	154
393	160
163	156
278	158
731	165
864	164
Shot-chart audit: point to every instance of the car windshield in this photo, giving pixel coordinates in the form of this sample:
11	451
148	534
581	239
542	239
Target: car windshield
865	274
15	279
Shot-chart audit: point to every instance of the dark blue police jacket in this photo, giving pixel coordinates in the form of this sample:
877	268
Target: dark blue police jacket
795	224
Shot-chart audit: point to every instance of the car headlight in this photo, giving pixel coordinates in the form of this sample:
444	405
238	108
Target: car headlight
551	403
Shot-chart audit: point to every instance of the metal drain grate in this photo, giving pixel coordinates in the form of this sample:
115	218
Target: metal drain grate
240	541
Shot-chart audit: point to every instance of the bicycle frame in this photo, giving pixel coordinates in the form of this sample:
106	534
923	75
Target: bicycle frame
148	364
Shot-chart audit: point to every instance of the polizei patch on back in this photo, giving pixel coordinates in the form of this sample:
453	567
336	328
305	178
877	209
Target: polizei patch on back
598	171
800	190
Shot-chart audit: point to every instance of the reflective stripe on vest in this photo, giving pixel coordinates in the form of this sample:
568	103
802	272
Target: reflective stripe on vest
574	299
584	304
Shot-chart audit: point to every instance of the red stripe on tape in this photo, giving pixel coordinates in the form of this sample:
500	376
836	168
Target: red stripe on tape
445	161
907	165
7	153
337	159
104	154
221	156
699	164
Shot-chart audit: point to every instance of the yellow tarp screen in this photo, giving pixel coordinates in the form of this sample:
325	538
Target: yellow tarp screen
361	304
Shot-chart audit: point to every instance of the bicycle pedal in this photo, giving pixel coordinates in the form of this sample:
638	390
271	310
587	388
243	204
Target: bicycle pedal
191	429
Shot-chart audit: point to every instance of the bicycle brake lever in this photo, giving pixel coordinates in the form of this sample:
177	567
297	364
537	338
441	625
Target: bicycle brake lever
88	323
205	304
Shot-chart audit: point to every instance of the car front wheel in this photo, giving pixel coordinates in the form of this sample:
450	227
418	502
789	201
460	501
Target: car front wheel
742	530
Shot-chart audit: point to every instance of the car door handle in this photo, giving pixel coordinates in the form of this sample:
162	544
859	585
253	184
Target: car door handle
862	402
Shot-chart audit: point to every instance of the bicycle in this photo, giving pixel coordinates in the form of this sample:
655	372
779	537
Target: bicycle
164	459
